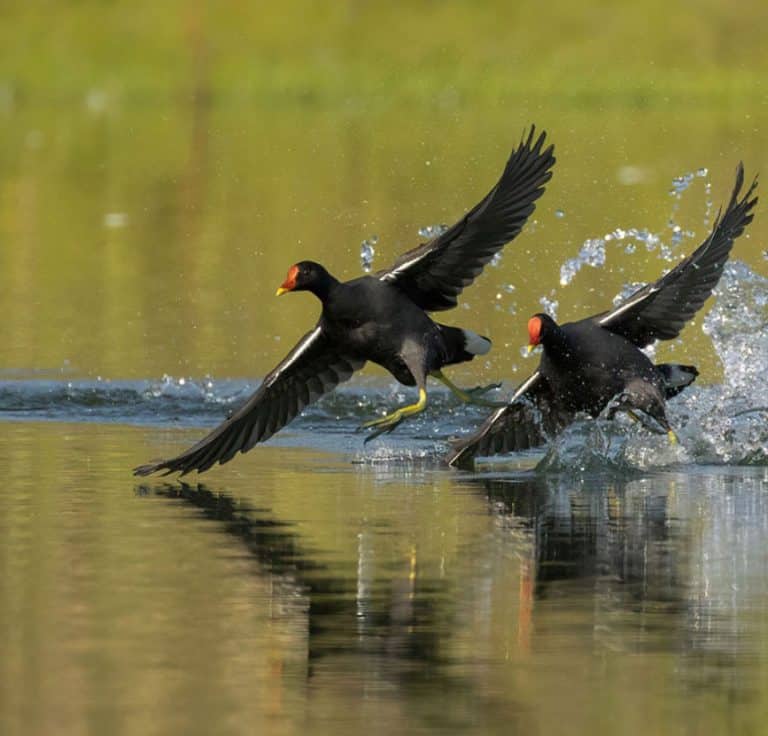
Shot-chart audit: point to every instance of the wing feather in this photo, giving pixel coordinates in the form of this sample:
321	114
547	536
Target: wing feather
658	311
529	420
310	370
435	273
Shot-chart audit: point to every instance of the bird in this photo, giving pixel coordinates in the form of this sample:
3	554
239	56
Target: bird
383	318
597	363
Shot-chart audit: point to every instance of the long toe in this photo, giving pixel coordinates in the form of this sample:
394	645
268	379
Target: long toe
475	396
481	390
382	429
382	421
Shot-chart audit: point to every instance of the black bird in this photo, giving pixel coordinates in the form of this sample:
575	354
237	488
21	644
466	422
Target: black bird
383	318
596	363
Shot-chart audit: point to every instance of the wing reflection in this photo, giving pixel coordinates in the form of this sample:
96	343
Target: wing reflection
362	627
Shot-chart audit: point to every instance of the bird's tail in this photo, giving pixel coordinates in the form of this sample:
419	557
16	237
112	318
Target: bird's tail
463	345
676	377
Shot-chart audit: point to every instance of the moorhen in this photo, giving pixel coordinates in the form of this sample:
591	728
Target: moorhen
383	318
597	362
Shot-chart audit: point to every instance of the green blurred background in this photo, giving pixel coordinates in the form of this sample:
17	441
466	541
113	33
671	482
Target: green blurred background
161	165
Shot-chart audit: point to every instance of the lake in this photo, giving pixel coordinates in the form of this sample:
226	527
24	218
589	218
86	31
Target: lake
317	584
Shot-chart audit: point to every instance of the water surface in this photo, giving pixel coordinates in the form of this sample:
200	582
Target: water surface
296	591
317	585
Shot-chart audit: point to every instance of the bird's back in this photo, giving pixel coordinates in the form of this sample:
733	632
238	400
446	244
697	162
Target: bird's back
593	366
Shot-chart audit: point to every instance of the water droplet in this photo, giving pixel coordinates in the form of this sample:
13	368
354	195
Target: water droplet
367	252
680	184
550	305
592	253
560	214
432	231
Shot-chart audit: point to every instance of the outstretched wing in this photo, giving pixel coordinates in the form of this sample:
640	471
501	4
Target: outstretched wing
311	369
659	310
529	420
434	274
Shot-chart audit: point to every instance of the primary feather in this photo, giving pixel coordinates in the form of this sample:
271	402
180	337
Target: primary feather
435	273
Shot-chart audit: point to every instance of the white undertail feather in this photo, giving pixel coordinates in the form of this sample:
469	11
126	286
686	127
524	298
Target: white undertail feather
678	375
476	344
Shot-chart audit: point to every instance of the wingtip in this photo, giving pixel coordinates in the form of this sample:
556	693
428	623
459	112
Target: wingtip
740	182
460	457
746	202
145	470
739	178
526	140
530	141
150	468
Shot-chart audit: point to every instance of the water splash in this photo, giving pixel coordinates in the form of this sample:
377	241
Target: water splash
432	231
367	252
550	305
733	416
725	423
593	252
599	445
680	184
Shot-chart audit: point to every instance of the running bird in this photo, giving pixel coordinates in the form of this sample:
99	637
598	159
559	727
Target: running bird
383	318
596	363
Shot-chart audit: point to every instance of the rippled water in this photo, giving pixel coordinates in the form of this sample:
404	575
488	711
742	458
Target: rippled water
319	585
297	591
722	423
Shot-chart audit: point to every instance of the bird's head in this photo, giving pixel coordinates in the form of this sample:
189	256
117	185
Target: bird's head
539	326
306	276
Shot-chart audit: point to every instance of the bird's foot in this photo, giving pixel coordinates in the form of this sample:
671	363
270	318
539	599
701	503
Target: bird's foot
639	419
384	425
469	395
482	390
475	396
672	437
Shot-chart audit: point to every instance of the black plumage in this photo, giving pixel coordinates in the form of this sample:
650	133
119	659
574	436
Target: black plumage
383	318
596	362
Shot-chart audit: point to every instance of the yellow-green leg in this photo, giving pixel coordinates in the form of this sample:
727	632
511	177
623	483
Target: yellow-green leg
468	396
390	421
672	437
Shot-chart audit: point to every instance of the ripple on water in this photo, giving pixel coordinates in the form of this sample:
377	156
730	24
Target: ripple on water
724	424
